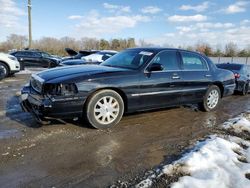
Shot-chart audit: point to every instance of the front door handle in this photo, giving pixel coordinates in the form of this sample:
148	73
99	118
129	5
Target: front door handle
175	77
208	75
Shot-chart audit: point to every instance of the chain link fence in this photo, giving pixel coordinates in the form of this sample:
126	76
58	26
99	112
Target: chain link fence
240	60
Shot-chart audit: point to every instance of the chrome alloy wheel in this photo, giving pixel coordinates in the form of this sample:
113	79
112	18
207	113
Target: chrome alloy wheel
106	110
212	99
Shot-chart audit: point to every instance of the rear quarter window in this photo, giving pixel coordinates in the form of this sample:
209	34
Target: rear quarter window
19	54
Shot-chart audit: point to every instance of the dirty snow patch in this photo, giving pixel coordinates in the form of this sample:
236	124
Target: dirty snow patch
216	164
31	70
219	161
239	124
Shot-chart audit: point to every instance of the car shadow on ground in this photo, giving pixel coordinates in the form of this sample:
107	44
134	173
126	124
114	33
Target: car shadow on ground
191	107
14	112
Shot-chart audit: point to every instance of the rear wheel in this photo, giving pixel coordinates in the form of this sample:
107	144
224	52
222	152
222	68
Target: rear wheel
211	99
104	109
245	89
6	71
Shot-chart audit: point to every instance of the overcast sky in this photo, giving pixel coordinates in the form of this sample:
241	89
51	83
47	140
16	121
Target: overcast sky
160	22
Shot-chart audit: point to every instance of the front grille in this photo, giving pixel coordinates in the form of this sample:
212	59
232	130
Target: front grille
36	83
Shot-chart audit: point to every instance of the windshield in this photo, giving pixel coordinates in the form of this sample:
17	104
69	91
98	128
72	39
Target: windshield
45	54
131	59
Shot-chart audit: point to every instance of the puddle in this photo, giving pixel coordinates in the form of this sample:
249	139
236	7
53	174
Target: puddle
9	133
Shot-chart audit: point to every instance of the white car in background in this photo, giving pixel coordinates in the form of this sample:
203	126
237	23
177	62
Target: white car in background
99	57
9	64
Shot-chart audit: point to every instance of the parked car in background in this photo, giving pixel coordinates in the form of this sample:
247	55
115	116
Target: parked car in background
36	58
135	79
72	62
77	55
242	76
95	58
99	57
9	64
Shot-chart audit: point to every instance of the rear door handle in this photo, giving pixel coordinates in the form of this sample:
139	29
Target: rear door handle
208	75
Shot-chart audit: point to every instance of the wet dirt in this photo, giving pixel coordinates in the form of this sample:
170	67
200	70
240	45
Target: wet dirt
69	154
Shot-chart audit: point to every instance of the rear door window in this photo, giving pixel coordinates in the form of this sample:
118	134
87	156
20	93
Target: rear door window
192	61
35	54
20	53
168	59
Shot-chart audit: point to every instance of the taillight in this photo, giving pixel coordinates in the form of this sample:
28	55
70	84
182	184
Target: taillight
236	75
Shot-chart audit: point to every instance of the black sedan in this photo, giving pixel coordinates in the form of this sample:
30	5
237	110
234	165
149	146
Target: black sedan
136	79
36	58
242	75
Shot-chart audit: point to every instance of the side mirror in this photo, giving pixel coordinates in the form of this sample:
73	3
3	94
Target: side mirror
155	67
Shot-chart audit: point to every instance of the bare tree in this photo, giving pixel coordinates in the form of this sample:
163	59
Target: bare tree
70	43
230	49
131	43
17	41
104	44
57	46
115	44
90	43
203	48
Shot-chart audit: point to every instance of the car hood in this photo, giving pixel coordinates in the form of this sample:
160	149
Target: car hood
72	62
71	73
71	52
67	58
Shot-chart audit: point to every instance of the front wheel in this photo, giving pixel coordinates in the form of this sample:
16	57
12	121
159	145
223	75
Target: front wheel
211	98
104	109
5	70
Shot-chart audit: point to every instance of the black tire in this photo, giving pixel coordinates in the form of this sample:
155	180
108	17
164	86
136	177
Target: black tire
245	89
206	105
6	71
96	103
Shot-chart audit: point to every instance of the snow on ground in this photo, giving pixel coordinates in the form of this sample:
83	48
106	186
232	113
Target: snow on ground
219	161
239	124
31	70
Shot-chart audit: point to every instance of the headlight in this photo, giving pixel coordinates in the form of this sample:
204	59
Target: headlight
36	83
12	58
60	89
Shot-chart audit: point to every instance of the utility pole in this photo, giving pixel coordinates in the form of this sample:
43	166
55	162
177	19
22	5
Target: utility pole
29	15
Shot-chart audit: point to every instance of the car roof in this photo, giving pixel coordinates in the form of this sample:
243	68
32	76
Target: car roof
158	49
73	60
29	50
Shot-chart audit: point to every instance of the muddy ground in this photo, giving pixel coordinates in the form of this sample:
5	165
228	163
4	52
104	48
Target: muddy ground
70	154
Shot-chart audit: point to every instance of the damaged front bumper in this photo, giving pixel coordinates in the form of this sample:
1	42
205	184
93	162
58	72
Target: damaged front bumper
44	108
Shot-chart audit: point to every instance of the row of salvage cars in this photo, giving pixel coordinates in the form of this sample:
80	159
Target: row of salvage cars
37	58
20	59
136	79
86	57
